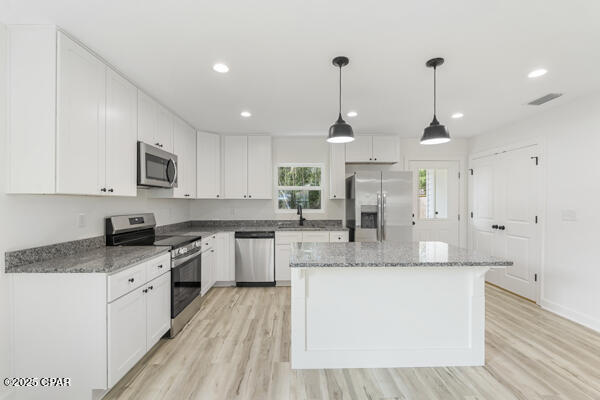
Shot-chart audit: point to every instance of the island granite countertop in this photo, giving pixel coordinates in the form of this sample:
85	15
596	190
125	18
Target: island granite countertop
106	259
388	254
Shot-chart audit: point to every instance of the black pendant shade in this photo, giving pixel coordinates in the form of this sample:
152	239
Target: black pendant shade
435	133
340	131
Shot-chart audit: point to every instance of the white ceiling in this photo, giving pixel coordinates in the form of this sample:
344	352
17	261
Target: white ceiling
280	51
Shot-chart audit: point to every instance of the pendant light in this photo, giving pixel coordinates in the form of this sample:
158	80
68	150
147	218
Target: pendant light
340	132
435	133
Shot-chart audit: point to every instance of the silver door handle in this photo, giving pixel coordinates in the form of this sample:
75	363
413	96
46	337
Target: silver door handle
379	217
383	216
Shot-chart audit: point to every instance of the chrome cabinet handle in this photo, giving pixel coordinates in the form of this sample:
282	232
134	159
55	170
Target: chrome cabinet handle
131	280
383	202
160	266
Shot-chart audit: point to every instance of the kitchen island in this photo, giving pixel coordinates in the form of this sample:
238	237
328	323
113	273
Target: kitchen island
386	305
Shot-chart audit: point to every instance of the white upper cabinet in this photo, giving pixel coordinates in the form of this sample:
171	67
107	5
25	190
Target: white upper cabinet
235	167
260	166
147	119
385	149
372	149
121	135
337	171
208	163
247	167
81	152
74	121
164	134
360	150
155	123
184	143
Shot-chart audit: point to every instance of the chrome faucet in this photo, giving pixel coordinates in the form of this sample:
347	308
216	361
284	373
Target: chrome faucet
302	219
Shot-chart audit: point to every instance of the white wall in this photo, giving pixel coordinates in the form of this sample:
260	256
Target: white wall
571	136
285	150
34	220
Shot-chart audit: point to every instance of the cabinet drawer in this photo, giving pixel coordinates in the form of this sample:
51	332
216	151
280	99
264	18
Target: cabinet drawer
287	237
158	266
125	281
341	236
315	236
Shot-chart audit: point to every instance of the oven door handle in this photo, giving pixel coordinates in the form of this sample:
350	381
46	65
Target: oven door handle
178	261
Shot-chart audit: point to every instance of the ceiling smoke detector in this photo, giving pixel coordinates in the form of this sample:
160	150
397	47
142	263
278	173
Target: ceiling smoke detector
544	99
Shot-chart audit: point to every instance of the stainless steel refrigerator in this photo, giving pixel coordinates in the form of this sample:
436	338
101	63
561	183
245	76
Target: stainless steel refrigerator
379	206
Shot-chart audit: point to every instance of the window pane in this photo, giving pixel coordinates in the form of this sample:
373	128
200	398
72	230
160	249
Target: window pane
433	193
299	176
308	199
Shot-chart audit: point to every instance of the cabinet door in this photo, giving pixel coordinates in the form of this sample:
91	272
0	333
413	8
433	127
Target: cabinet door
158	309
126	333
315	237
206	272
338	236
282	262
121	135
208	166
360	150
260	181
385	149
235	165
337	171
184	145
164	133
81	89
147	119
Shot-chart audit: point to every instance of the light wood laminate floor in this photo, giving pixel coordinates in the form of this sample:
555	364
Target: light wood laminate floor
237	347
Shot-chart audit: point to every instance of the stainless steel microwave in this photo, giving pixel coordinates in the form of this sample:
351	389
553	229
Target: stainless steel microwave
156	167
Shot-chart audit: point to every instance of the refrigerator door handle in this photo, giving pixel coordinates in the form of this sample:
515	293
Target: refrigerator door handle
379	216
383	201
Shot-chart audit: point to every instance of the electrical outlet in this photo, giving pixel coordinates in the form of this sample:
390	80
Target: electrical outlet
81	221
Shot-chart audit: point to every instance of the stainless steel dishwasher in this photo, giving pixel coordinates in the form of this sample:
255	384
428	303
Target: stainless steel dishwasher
255	258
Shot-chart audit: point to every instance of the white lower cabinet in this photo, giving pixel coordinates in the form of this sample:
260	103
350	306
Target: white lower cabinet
225	263
126	333
209	268
158	309
137	321
283	248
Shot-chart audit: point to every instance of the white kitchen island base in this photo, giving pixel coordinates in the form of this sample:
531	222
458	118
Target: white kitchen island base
386	317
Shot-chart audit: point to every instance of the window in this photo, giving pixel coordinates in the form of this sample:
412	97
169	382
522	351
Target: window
299	184
433	193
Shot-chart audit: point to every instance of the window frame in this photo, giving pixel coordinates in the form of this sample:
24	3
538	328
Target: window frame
320	188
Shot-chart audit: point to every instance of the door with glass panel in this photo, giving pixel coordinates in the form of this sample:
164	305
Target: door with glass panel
435	205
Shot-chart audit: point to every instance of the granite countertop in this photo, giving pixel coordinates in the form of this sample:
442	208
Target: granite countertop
207	231
108	260
388	254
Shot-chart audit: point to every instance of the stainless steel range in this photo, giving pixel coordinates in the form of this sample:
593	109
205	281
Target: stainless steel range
186	265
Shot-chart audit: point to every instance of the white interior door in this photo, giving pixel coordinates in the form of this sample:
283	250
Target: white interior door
435	206
505	195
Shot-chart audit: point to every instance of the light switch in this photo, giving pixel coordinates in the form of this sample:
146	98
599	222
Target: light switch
569	215
81	221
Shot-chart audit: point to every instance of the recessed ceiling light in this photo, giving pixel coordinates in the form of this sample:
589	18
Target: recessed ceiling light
352	114
457	115
536	73
246	114
221	68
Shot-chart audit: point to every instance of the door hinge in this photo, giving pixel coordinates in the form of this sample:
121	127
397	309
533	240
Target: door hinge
471	214
471	171
535	277
537	159
459	217
536	219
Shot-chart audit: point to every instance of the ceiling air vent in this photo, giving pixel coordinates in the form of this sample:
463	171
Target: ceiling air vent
544	99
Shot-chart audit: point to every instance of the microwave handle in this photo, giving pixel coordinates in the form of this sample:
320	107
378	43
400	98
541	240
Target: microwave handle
172	182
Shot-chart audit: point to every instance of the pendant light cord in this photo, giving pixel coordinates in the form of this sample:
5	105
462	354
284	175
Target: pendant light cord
434	91
340	94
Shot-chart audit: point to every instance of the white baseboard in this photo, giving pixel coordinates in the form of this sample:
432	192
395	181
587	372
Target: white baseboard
575	316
